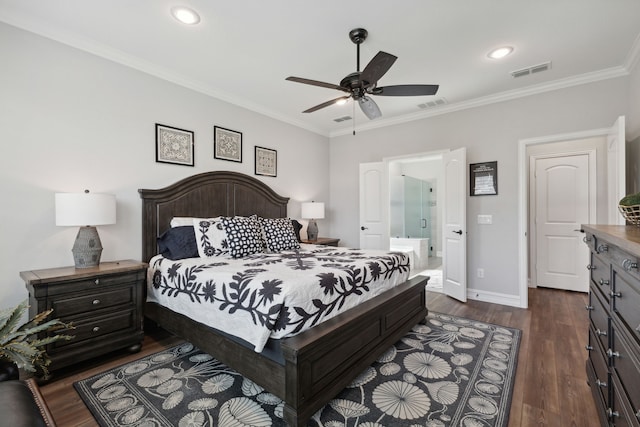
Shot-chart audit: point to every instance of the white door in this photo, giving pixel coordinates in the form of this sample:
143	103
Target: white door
374	206
454	231
616	170
564	199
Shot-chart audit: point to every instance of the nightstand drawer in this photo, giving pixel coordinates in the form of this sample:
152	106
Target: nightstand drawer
99	326
93	284
65	307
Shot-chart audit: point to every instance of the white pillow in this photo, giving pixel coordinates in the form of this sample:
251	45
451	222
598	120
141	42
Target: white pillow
211	237
182	221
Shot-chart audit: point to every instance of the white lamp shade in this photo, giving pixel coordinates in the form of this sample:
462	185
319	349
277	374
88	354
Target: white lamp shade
80	209
312	210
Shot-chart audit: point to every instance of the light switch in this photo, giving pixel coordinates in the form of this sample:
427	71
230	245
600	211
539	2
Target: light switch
485	219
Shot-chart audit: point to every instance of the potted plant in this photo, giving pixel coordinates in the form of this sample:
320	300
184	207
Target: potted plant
23	346
629	207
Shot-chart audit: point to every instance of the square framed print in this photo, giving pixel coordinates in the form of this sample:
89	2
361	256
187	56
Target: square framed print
266	161
174	145
484	178
227	144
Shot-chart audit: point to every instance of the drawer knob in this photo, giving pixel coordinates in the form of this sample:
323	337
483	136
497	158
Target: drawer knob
97	281
601	383
602	248
589	347
615	294
96	328
611	413
627	264
591	267
599	332
612	353
604	282
586	239
588	307
95	302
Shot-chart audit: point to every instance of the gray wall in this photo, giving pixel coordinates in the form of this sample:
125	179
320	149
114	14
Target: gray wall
71	120
489	133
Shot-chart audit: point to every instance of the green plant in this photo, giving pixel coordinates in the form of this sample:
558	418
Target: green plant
25	344
630	200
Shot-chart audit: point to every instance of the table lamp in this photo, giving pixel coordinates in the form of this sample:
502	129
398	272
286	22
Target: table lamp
86	210
312	211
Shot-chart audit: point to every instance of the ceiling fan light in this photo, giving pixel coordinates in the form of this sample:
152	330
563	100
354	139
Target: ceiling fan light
369	108
341	101
185	15
500	52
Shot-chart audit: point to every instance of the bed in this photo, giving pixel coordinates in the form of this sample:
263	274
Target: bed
317	363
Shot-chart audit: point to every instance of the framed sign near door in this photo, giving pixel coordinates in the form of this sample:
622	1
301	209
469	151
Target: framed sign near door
484	178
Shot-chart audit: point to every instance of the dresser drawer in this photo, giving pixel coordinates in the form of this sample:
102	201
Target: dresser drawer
99	326
92	301
600	275
626	365
600	369
598	314
626	302
622	414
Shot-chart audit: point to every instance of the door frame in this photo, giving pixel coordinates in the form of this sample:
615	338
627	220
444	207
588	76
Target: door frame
523	197
591	155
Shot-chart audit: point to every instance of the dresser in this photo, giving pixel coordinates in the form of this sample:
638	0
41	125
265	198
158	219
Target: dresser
104	303
613	363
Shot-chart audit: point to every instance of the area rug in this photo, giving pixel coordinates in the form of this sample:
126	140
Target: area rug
447	371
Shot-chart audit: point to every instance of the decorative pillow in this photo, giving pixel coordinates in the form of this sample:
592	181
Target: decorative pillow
296	229
178	243
244	235
183	221
279	234
211	237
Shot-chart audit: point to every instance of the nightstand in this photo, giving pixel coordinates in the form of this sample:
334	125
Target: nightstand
327	241
104	303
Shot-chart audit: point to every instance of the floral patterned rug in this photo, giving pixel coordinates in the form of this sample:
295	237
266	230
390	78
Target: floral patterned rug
447	371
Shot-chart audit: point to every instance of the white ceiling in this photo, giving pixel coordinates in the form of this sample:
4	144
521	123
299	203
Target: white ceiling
242	50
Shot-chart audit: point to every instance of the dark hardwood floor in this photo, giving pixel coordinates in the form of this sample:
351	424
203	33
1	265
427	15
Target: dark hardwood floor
550	387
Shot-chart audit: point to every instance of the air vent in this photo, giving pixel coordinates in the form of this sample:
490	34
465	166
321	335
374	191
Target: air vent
434	103
531	70
342	119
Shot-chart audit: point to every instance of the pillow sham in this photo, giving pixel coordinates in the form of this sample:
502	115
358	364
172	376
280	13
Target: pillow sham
279	234
244	235
183	221
211	237
178	243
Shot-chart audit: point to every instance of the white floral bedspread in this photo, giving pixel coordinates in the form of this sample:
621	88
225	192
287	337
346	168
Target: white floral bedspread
266	296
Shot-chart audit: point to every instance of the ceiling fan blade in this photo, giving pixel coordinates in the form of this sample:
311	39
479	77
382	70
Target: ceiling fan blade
316	83
406	90
326	104
369	108
377	68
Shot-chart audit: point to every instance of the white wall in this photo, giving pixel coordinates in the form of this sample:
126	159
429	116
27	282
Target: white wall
70	120
490	133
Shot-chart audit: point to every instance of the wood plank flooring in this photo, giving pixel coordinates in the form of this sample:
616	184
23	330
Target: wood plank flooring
550	387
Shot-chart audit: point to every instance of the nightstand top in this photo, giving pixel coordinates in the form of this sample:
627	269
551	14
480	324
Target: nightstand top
331	241
49	275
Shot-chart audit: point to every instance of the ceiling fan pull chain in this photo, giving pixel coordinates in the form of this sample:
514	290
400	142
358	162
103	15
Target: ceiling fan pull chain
354	117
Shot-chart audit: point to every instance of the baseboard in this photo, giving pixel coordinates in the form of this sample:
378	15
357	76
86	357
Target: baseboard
493	297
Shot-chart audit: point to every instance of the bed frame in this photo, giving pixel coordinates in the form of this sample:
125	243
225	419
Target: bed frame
319	362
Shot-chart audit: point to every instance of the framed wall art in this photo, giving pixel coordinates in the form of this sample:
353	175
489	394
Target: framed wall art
174	145
227	144
484	178
266	161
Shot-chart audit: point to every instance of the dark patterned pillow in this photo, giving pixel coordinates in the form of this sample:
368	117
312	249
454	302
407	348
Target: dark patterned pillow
296	228
244	235
279	234
211	237
178	243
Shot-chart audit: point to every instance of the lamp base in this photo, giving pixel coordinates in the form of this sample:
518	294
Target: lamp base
312	230
87	248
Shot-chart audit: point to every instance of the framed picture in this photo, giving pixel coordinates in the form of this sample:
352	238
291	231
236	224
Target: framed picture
484	178
174	145
266	161
227	144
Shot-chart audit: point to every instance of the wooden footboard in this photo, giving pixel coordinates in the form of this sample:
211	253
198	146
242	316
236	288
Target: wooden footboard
320	362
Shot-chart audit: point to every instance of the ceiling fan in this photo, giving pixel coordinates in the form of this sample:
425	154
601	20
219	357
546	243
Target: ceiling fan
361	84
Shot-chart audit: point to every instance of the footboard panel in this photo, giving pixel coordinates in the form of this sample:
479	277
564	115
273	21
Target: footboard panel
324	360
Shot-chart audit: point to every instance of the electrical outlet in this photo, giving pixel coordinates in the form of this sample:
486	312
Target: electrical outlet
481	273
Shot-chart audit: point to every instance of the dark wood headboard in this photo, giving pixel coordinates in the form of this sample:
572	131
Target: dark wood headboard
205	195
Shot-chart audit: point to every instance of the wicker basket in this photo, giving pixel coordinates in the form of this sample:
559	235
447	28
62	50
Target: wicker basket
630	213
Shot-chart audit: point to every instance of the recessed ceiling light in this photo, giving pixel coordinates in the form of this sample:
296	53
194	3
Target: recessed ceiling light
500	52
185	15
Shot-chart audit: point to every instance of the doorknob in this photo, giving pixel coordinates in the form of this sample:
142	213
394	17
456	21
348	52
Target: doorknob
458	232
363	228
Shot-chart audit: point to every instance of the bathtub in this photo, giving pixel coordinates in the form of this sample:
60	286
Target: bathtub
416	248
